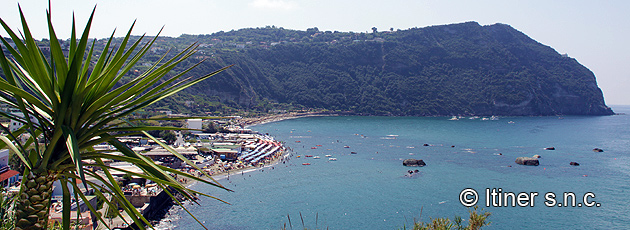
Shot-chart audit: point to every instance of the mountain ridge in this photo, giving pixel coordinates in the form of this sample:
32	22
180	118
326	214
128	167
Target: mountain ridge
457	69
442	70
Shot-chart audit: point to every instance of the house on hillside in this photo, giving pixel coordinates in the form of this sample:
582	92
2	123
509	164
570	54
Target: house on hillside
8	177
15	124
4	157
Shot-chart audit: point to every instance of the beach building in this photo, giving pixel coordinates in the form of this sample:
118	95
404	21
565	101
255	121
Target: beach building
166	158
225	154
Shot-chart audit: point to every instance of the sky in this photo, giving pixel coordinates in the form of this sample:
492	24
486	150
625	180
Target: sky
596	32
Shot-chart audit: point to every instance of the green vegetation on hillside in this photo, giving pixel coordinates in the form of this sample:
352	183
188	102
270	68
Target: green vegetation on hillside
459	69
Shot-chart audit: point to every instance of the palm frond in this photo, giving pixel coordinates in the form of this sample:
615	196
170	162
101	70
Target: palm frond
71	102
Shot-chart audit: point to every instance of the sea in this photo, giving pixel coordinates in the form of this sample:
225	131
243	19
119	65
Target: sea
469	162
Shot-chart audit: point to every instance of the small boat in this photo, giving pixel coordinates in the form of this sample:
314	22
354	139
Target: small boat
454	118
353	152
313	147
316	157
306	163
319	145
346	146
328	155
308	156
298	141
298	156
332	159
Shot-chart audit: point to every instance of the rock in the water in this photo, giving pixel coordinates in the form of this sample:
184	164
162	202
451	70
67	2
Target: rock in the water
598	150
414	163
527	161
550	148
574	163
536	156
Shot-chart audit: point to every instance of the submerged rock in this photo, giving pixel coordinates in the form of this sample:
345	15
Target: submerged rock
527	161
414	163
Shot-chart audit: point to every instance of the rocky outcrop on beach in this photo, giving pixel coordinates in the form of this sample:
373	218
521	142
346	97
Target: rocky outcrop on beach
527	161
414	163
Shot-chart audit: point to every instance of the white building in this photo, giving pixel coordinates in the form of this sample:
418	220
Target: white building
4	157
15	125
195	124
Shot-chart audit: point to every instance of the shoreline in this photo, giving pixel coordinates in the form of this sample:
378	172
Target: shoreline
253	121
223	175
166	221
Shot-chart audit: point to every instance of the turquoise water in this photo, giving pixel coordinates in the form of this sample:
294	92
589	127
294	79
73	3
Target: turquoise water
370	189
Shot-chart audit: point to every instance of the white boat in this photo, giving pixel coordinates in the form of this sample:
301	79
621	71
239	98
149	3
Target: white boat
454	118
328	155
332	159
316	157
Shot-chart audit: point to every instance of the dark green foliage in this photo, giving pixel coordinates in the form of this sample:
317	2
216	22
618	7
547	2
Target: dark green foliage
168	136
212	128
477	219
15	163
7	204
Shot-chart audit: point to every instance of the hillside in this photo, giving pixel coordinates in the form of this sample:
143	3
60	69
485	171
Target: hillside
458	69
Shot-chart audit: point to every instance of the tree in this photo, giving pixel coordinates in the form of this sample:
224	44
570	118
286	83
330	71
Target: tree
15	163
211	127
168	136
71	102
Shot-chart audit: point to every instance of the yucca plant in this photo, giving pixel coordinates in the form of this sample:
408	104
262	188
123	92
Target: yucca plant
70	103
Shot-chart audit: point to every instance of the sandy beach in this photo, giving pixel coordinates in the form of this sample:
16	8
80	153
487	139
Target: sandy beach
223	174
251	121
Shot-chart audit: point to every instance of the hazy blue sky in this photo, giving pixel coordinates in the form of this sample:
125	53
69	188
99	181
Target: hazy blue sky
596	33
